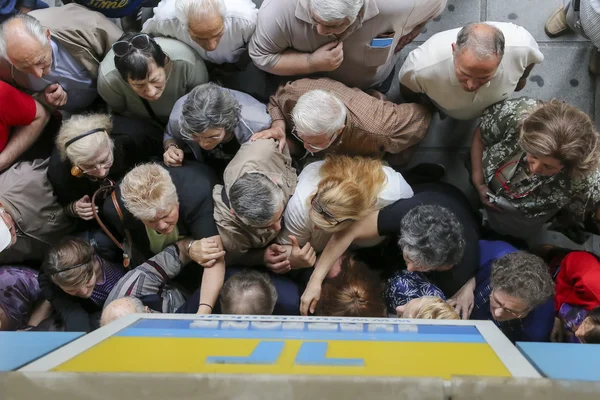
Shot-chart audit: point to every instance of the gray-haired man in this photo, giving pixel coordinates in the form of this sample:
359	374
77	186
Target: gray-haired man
464	71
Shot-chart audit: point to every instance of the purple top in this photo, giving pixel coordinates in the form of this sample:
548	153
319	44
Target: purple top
112	274
572	317
19	291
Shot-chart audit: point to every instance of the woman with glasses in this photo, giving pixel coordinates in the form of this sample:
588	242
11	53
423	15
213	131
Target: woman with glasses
93	149
77	281
329	197
144	77
530	160
514	290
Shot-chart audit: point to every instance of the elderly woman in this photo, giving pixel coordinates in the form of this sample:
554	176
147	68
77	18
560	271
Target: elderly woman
76	281
329	197
212	122
155	206
144	77
427	307
515	291
19	297
93	149
532	159
437	231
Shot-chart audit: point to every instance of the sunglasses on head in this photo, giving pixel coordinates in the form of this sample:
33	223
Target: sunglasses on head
124	47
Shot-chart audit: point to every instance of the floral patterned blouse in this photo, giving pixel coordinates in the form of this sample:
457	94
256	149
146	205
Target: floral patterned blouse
536	195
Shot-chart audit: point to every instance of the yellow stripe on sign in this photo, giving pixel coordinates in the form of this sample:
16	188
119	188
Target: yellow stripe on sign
188	355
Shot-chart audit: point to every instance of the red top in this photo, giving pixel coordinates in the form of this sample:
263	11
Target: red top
578	281
16	109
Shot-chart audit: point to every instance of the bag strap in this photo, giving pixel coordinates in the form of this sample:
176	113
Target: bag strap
150	111
126	246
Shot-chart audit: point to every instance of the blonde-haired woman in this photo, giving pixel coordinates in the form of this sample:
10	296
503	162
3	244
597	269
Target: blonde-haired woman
530	159
93	148
329	197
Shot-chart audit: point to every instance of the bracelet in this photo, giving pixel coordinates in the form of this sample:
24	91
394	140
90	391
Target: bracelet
189	246
207	305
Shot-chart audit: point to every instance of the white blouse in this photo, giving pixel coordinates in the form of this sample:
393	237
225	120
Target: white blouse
296	216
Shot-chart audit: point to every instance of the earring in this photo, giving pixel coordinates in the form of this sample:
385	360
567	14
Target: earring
76	172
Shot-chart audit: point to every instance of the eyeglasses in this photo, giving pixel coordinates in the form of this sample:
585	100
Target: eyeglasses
106	164
124	47
505	180
324	213
495	304
315	148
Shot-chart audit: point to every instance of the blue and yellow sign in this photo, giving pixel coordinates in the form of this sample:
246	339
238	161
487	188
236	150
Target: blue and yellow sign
280	346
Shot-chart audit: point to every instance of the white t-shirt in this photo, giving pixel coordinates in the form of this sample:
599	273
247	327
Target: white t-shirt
296	216
429	69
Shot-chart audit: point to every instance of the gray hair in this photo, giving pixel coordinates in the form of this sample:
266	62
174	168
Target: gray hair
484	43
336	10
29	24
255	198
198	8
249	293
523	275
431	237
318	112
208	106
120	308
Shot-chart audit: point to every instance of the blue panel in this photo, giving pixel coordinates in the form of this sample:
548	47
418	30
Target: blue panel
564	360
449	329
314	353
20	348
264	353
301	335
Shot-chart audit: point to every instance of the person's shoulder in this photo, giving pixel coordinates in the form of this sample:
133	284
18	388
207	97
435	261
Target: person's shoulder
178	52
514	35
433	55
241	10
163	12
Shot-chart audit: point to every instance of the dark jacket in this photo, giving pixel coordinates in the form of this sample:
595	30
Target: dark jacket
194	183
135	142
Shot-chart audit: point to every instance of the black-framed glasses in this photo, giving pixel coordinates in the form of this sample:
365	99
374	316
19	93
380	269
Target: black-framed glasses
496	304
329	217
124	47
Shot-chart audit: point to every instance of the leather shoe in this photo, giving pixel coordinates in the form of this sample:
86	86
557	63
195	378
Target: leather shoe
557	24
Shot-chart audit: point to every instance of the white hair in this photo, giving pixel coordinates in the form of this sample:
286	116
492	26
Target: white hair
84	150
318	112
147	191
198	8
29	24
120	308
336	10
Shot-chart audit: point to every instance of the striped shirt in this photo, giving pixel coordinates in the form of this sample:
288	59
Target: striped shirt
112	274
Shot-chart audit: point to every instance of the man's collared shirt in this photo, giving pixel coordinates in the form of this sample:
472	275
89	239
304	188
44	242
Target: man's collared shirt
429	69
71	75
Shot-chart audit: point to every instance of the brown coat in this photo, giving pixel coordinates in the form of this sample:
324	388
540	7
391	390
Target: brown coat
263	156
373	127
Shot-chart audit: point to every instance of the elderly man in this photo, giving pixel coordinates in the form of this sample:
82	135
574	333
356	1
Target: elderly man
258	183
583	17
327	116
153	207
351	41
22	120
218	30
463	71
31	218
55	53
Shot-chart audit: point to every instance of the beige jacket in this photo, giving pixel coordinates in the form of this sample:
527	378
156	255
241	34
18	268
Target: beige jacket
262	156
28	197
87	35
284	25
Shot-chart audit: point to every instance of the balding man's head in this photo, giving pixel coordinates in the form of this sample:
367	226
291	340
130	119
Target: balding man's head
478	51
122	307
25	43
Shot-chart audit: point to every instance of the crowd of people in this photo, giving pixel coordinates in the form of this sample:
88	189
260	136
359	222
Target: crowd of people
142	173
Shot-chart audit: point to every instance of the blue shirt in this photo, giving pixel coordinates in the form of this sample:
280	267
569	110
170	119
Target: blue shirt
113	8
535	327
71	75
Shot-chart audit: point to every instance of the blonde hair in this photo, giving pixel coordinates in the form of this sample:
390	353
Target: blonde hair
68	253
559	130
348	190
83	150
147	191
432	307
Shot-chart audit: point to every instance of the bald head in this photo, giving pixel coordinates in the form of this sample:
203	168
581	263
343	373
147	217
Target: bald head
25	43
120	308
248	293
